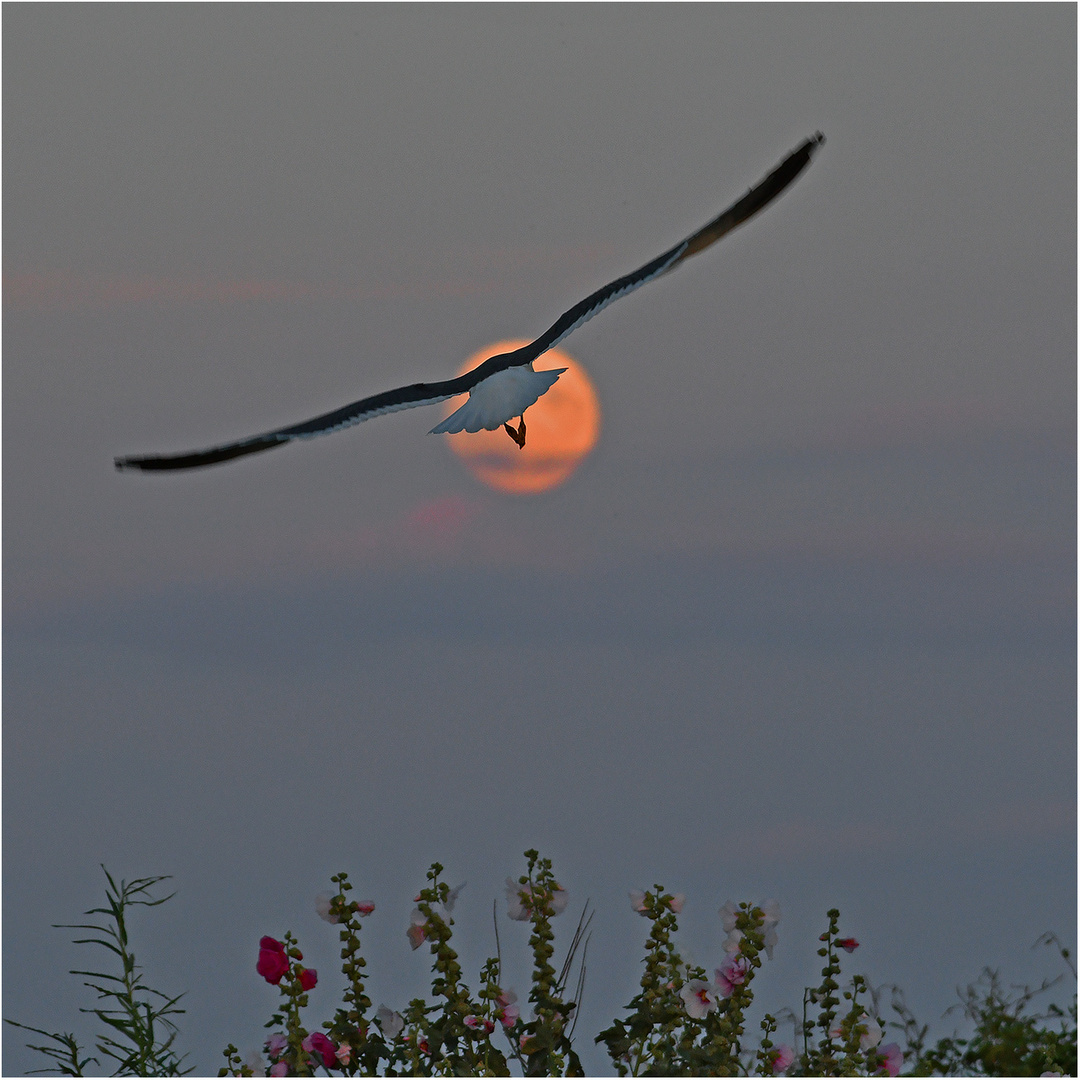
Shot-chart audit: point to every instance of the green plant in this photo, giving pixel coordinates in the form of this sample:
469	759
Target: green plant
139	1033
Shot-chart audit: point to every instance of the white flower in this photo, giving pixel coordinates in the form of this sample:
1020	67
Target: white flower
516	893
322	908
676	902
728	914
637	901
873	1033
733	942
699	997
391	1022
452	896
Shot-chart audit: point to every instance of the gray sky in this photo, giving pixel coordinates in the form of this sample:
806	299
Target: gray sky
803	624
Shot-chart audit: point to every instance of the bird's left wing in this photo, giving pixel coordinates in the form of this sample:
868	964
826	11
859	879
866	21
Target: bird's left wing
404	397
756	199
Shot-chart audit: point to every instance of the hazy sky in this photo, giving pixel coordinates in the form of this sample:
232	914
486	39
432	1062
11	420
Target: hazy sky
802	626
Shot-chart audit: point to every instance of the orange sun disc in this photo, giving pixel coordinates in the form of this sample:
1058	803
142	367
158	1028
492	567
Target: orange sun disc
561	430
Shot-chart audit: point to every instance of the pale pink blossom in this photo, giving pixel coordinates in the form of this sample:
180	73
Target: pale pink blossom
894	1058
343	1054
322	908
676	902
364	907
509	1011
637	901
478	1023
389	1021
417	923
733	942
276	1043
783	1057
280	1068
872	1036
699	997
731	973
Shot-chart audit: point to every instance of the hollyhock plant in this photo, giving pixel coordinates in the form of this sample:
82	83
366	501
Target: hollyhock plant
731	973
364	907
272	963
309	977
848	944
699	997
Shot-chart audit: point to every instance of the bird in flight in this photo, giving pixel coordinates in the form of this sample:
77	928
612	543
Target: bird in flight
504	386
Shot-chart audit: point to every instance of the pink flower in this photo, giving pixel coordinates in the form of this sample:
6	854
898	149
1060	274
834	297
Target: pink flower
322	908
308	978
848	944
317	1043
509	1013
417	922
343	1053
364	907
699	997
280	1069
273	963
637	901
676	902
894	1058
477	1023
783	1056
731	973
276	1044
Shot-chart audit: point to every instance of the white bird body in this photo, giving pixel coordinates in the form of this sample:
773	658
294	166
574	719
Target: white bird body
503	386
499	398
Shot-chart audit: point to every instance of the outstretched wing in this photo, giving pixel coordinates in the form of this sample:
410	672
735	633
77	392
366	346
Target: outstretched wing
408	397
405	397
756	199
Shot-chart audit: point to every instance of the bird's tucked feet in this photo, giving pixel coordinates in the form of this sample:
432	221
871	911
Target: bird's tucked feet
518	434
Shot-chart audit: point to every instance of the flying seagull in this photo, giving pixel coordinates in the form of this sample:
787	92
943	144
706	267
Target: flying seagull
503	386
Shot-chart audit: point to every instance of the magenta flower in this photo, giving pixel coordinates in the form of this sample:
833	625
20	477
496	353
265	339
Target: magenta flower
273	963
894	1058
308	978
318	1044
848	944
364	907
478	1023
783	1056
276	1043
731	973
699	997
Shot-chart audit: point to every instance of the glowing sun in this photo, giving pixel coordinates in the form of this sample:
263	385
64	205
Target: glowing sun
563	427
